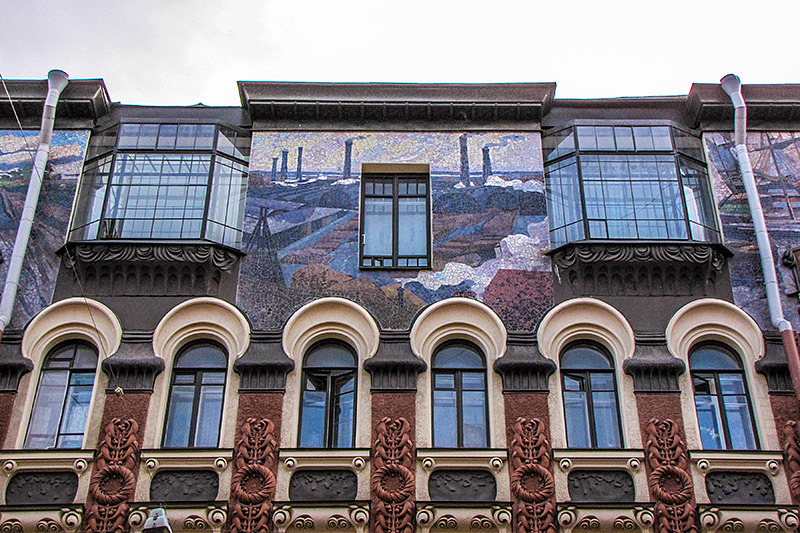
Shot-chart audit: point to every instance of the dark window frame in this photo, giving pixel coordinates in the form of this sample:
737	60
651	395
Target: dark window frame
585	376
107	154
74	344
331	374
458	388
378	262
720	395
197	384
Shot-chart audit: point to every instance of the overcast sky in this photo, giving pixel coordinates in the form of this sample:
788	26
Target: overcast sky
185	52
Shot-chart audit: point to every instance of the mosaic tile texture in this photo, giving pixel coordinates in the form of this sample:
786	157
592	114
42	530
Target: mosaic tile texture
17	151
776	163
490	229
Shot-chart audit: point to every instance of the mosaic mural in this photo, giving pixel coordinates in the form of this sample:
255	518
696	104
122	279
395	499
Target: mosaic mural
52	216
776	163
490	228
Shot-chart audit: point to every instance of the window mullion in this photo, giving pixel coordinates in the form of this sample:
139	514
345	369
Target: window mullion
395	221
459	409
587	377
198	379
722	414
63	405
328	430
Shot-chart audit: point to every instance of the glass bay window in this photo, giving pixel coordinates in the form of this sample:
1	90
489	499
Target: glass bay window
164	182
627	183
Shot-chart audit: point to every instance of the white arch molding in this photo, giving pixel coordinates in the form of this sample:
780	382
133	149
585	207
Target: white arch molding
710	319
458	318
585	319
328	318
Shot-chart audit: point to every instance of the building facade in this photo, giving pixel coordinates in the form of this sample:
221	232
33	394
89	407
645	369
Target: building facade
397	308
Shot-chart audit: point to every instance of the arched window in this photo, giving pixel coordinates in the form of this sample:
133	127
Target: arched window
460	409
590	397
721	399
327	412
62	401
196	395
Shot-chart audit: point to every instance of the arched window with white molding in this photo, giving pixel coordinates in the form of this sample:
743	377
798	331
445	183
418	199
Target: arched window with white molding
591	410
327	408
197	393
63	397
722	402
460	407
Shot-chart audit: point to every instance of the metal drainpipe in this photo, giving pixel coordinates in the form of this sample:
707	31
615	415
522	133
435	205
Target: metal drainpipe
56	81
732	86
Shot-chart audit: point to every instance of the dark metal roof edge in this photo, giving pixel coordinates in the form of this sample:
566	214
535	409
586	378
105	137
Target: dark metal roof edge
93	91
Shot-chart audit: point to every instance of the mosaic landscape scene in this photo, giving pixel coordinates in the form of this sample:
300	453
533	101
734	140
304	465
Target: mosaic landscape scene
17	151
776	164
490	228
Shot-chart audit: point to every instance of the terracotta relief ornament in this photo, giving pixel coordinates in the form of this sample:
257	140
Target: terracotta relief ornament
791	457
113	482
393	477
253	483
669	480
531	480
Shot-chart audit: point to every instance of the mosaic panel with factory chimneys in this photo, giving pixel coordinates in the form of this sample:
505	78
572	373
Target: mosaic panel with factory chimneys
490	230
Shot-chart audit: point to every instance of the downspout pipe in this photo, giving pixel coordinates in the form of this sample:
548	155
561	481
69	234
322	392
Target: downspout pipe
56	81
733	87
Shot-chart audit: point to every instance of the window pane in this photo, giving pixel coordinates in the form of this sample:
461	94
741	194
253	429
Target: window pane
46	415
378	226
312	428
474	419
166	137
584	358
602	381
444	381
740	426
586	138
624	137
202	356
711	357
473	381
343	411
731	383
329	355
605	138
457	356
179	417
412	230
209	413
444	419
576	412
606	424
76	407
710	422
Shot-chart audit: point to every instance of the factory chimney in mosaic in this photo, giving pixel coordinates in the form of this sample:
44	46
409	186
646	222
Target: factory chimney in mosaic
464	160
299	173
284	164
487	163
274	172
348	152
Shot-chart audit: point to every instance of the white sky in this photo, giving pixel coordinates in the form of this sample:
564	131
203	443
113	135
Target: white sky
185	52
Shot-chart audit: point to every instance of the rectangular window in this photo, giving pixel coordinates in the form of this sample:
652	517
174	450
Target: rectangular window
395	219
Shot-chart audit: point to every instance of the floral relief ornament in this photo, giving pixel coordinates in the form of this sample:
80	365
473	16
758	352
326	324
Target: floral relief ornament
531	480
669	480
113	482
253	483
393	477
